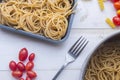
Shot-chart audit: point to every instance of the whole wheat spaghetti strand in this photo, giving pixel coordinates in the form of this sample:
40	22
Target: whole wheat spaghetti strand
44	17
105	64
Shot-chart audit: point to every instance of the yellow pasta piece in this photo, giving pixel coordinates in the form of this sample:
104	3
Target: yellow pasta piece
101	4
110	23
104	0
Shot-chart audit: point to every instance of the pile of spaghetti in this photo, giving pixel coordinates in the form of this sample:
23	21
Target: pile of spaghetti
45	17
105	64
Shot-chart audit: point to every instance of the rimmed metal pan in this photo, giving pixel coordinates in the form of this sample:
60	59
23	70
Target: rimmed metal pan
41	37
114	37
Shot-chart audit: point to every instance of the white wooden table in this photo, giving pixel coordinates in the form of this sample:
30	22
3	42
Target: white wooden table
89	21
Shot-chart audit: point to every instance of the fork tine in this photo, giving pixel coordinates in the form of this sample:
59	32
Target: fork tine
74	45
81	48
77	46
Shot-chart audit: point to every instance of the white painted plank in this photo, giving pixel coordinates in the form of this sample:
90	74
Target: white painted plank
89	15
48	56
46	75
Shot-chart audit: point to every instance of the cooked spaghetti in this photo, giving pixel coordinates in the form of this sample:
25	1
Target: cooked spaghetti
105	64
45	17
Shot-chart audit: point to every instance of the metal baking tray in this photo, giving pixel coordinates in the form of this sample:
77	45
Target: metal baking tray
41	37
114	37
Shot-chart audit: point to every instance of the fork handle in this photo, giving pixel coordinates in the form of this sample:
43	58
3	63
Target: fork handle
61	69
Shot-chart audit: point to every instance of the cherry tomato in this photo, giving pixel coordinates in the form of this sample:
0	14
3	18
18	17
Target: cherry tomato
21	66
23	54
117	5
114	0
21	79
31	74
116	20
31	57
29	66
12	65
17	74
27	78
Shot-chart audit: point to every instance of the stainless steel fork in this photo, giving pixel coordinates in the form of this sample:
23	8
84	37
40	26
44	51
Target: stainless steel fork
73	53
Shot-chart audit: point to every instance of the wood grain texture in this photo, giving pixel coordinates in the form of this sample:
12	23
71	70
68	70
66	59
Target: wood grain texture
50	57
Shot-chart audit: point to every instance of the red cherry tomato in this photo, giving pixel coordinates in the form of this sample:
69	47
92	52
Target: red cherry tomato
21	66
21	79
117	5
17	74
114	0
31	56
27	78
23	54
29	66
116	20
12	65
31	74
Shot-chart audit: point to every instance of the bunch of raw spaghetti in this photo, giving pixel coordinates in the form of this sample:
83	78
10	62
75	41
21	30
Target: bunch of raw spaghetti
45	17
105	64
